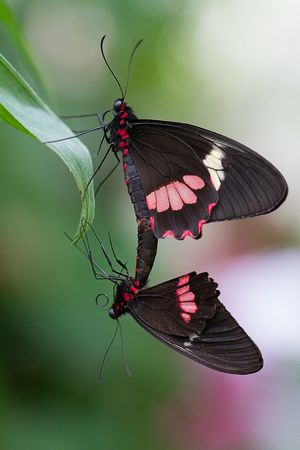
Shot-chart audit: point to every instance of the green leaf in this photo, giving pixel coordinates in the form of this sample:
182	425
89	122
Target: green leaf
21	107
16	36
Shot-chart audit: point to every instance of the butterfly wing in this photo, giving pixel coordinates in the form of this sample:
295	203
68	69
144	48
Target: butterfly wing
186	314
191	176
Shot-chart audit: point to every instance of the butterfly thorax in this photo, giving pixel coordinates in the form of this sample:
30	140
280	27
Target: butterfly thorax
120	141
126	291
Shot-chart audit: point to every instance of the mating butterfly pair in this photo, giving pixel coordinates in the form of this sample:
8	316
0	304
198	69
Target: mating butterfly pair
180	177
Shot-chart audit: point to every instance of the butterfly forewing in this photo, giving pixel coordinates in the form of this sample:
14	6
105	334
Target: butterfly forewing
186	314
191	176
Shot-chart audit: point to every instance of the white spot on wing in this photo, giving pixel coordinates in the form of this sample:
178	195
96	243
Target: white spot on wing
213	162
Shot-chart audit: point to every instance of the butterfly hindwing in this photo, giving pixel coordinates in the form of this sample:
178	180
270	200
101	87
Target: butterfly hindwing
186	314
231	181
177	187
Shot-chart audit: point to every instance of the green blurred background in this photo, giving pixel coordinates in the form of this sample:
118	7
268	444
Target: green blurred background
232	67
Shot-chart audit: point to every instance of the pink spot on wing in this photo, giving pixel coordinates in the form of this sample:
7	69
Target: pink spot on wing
185	193
174	198
182	290
183	280
193	181
186	317
189	307
151	200
187	297
162	200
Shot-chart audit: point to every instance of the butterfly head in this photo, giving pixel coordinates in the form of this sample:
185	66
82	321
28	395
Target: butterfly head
119	105
126	291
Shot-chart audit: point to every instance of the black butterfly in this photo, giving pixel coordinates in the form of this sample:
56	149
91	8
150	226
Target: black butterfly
180	176
186	314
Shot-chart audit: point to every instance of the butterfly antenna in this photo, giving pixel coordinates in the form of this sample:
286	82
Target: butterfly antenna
109	68
125	365
129	64
107	351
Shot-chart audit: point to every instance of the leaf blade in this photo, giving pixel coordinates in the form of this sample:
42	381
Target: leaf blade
22	108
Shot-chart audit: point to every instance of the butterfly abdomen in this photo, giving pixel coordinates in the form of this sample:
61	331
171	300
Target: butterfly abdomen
146	252
135	188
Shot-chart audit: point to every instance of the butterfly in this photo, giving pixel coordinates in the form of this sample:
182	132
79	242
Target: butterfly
186	314
181	176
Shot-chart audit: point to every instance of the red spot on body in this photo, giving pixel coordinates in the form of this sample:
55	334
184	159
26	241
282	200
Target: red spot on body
122	121
127	296
193	181
125	152
126	181
124	166
124	115
123	144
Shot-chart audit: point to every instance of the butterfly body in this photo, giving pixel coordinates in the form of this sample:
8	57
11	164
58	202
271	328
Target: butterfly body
180	176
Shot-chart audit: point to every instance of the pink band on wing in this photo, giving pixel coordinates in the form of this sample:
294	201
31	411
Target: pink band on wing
183	280
174	197
182	290
189	307
151	200
187	297
186	317
193	181
162	199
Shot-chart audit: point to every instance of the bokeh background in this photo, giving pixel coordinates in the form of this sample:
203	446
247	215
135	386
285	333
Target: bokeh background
232	67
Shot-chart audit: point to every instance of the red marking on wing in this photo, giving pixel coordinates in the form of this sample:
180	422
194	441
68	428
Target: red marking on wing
186	194
182	290
175	194
187	297
183	280
210	207
189	307
175	200
186	317
162	199
193	181
151	200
